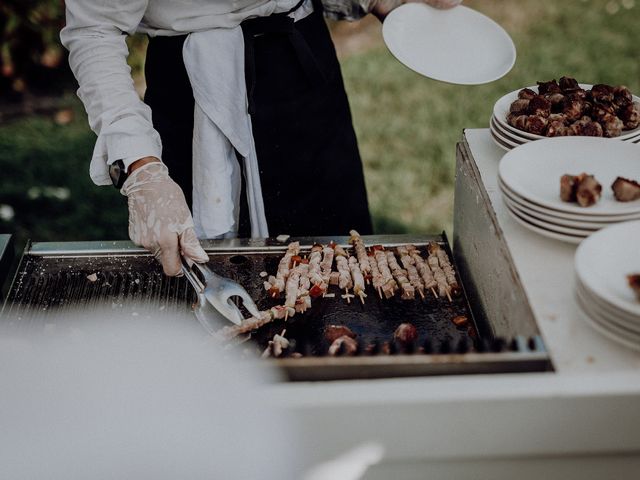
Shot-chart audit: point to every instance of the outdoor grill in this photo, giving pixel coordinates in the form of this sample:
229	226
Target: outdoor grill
56	277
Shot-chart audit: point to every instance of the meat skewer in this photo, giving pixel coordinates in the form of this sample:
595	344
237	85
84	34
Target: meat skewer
326	263
358	278
275	313
276	285
439	276
400	276
446	266
292	290
389	285
361	253
376	276
410	266
344	272
423	269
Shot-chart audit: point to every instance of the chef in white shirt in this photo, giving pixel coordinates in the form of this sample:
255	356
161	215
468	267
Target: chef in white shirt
245	107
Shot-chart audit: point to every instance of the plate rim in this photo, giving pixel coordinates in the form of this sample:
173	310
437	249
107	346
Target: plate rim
545	233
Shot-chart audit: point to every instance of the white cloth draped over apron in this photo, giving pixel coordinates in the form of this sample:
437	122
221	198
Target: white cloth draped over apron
214	60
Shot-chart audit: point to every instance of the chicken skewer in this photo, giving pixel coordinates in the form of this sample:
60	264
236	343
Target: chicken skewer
276	285
361	253
376	276
389	285
342	264
400	276
438	274
410	266
292	290
446	266
326	263
423	269
358	278
275	313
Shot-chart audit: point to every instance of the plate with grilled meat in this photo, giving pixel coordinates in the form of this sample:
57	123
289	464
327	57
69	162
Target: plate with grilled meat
567	108
587	177
605	263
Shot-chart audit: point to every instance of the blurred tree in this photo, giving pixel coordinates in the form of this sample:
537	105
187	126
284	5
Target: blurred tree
31	57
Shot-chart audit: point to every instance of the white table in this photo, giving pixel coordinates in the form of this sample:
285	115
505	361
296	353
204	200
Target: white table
581	421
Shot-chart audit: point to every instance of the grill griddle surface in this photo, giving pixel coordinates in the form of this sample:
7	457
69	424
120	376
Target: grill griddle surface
46	285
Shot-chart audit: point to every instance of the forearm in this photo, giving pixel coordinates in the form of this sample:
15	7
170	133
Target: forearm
356	9
95	38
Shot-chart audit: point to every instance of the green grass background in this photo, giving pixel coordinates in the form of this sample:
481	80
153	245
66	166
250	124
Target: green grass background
407	125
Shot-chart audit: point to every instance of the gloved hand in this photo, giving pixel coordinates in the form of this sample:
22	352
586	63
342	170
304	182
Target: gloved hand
159	218
382	8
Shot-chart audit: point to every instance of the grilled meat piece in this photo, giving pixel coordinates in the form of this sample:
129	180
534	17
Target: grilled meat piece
588	191
343	346
630	115
556	100
333	332
568	187
406	334
573	108
539	106
548	87
568	84
535	124
519	107
625	190
622	96
527	94
586	127
517	121
612	126
634	283
602	93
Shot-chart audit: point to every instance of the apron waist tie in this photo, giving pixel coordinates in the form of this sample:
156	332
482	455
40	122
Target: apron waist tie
279	24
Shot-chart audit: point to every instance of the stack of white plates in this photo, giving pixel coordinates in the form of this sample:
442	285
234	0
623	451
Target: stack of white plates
602	264
508	137
529	179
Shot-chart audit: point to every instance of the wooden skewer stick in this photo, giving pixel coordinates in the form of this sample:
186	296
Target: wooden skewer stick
421	294
346	292
361	296
434	292
380	292
286	315
449	297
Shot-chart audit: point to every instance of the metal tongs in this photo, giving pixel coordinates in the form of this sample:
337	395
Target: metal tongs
216	305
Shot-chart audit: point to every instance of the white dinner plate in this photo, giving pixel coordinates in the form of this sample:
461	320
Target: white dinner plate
604	328
502	106
542	223
544	232
506	147
457	45
622	319
607	318
560	218
605	259
534	169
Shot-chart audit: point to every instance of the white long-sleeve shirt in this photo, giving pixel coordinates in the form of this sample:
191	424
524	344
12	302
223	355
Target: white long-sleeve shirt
95	37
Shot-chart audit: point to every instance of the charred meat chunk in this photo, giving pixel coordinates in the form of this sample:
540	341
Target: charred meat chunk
568	187
625	190
556	100
527	94
572	108
548	87
622	96
519	107
333	332
612	126
406	334
602	93
588	191
634	283
535	124
343	346
630	115
568	84
539	106
586	127
518	121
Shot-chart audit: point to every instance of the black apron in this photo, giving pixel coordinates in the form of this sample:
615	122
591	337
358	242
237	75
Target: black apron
310	167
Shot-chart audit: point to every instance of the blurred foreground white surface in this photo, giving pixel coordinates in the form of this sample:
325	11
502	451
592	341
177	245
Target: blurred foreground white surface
101	395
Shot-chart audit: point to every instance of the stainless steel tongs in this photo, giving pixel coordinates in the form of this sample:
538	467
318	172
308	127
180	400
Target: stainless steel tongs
215	305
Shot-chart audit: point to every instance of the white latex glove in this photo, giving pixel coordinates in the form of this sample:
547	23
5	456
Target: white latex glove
159	218
382	8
